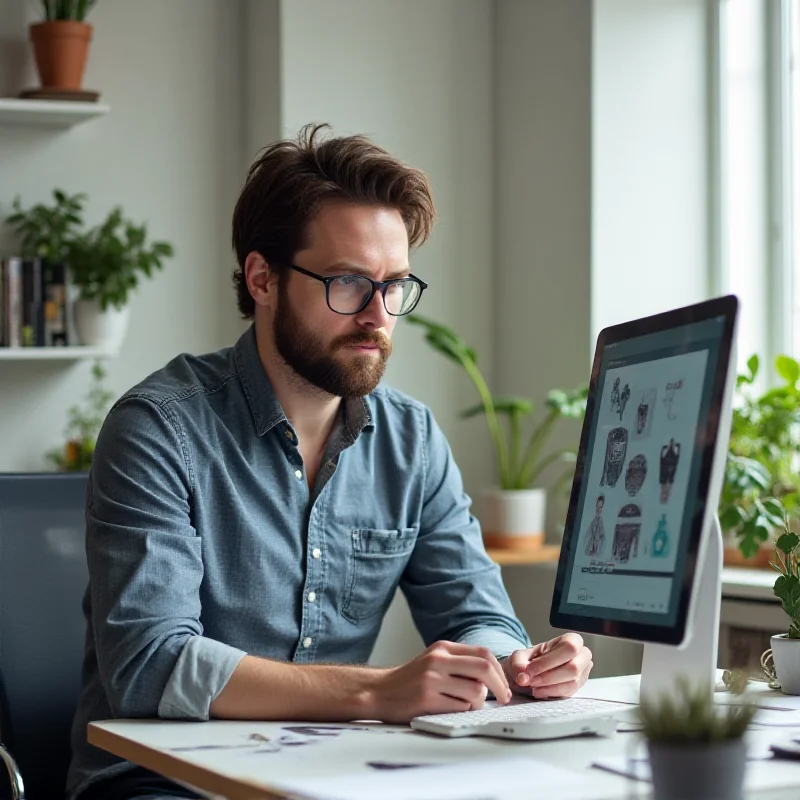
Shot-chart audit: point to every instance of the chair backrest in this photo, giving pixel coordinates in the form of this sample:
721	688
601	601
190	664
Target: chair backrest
43	576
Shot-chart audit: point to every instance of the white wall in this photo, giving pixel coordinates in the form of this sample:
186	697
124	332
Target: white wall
543	179
650	144
350	63
169	153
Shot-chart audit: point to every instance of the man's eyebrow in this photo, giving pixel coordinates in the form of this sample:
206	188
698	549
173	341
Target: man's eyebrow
345	268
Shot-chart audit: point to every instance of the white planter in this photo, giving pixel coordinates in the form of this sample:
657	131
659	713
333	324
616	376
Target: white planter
97	328
513	518
786	657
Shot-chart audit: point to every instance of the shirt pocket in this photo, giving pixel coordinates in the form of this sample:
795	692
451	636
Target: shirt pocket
377	560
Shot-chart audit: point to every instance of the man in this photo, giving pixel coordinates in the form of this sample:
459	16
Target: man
595	536
251	512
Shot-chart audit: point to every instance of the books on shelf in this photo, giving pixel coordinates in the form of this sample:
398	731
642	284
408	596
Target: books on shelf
33	303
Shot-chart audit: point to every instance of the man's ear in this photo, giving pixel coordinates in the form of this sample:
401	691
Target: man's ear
260	279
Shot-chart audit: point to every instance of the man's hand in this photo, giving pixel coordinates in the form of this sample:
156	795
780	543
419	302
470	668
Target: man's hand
446	677
557	668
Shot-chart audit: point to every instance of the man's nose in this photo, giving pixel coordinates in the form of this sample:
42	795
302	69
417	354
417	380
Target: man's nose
374	313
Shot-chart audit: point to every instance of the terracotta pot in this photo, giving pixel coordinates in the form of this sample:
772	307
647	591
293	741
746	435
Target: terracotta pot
60	48
732	557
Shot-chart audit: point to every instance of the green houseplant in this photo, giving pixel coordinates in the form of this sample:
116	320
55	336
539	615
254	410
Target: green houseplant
76	10
697	749
786	646
762	478
61	44
105	263
83	426
46	231
520	444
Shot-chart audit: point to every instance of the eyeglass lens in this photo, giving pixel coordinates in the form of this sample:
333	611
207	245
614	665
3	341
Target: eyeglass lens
349	294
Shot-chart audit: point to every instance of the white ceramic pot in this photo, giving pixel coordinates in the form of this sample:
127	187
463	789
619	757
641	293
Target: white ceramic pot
513	518
98	328
786	657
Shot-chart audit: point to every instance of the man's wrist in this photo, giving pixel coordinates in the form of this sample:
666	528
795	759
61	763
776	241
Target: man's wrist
367	703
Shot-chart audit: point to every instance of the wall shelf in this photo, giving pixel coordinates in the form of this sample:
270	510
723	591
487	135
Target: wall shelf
48	113
74	353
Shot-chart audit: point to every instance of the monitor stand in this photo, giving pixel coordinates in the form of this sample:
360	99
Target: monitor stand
696	657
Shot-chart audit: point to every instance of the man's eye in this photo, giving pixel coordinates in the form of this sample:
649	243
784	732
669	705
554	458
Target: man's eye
347	280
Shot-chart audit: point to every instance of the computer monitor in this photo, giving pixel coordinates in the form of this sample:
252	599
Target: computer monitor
641	557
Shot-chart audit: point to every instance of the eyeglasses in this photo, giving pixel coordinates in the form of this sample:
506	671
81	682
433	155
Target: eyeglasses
349	294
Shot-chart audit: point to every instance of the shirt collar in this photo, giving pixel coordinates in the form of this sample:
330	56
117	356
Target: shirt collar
264	405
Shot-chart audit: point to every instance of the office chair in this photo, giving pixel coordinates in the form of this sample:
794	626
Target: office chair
43	576
15	781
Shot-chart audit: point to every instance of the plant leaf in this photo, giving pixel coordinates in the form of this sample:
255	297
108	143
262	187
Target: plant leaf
788	369
502	405
787	542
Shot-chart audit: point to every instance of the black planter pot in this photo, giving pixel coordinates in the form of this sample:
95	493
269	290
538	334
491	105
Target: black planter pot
698	771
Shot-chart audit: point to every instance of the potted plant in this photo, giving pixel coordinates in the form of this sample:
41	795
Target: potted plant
786	646
105	264
696	748
513	514
762	478
83	426
46	231
61	43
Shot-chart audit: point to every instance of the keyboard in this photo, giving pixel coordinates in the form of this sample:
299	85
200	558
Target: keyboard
536	719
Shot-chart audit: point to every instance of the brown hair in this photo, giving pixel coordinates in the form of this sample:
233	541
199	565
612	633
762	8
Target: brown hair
290	180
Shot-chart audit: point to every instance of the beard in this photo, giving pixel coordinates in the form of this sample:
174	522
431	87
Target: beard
354	375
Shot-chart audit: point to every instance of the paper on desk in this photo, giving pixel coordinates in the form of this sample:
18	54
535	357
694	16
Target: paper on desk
485	779
764	697
777	719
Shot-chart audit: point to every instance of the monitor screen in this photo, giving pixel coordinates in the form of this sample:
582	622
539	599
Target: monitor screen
639	497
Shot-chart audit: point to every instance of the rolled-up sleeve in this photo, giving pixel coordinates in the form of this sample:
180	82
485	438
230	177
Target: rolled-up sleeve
145	570
453	588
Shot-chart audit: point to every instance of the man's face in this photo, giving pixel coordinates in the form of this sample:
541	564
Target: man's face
344	355
598	507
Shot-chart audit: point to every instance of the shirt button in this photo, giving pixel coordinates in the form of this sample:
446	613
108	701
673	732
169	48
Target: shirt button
307	642
312	596
298	474
316	552
289	435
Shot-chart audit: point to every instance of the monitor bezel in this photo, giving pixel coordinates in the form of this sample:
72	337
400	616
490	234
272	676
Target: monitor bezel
706	442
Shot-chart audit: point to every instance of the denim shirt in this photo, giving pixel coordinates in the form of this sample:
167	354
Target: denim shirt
204	542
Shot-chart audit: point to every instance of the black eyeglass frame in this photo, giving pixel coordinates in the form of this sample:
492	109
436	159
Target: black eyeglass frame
381	286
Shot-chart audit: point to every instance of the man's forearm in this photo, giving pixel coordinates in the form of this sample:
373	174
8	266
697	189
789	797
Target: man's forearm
264	690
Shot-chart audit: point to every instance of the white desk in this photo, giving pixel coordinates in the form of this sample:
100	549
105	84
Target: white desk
242	773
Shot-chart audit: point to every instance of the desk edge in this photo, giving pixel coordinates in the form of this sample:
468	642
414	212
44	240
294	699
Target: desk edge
177	769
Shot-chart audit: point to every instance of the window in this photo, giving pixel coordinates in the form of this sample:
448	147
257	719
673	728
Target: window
758	116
